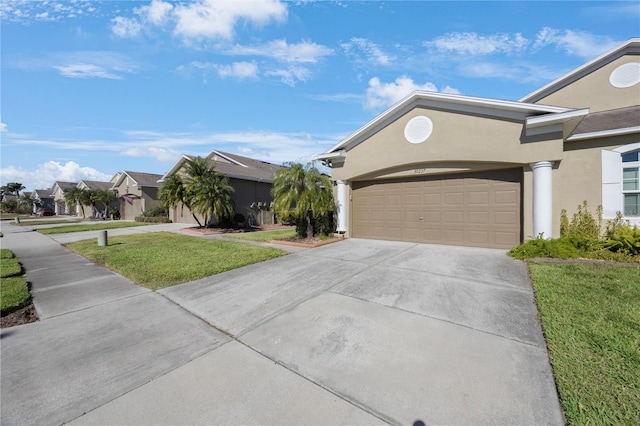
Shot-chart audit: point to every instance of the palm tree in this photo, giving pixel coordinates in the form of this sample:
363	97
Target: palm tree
303	193
71	197
207	192
172	193
104	197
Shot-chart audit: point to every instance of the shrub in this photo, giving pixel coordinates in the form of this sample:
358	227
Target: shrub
6	254
583	226
114	213
562	248
156	212
152	219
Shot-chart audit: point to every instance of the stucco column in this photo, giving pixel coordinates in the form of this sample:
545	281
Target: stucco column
542	199
342	206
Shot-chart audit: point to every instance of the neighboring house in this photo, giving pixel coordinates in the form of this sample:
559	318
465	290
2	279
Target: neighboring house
461	170
43	199
98	210
57	193
251	179
137	192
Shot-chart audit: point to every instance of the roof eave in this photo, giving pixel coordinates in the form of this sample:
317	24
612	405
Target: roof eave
457	103
604	133
630	46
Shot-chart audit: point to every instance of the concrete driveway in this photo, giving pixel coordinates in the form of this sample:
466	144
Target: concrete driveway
356	332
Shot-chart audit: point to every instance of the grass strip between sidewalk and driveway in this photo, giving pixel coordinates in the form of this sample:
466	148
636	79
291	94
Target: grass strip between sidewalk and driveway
14	290
264	236
591	319
162	259
90	227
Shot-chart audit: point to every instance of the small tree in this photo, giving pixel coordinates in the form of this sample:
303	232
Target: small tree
172	192
207	192
303	193
12	188
104	197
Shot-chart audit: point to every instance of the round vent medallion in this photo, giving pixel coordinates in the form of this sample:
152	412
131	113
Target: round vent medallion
418	129
625	75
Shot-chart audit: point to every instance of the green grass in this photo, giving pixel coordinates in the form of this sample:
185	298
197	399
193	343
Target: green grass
35	222
264	236
591	319
14	292
162	259
90	227
9	267
6	254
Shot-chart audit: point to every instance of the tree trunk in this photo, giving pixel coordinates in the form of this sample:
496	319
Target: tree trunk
309	226
196	218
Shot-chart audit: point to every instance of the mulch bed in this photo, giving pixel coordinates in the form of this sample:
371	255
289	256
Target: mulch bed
306	242
21	316
215	230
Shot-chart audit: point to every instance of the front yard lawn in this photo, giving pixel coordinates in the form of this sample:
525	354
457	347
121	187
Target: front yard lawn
14	291
162	259
591	319
264	236
90	227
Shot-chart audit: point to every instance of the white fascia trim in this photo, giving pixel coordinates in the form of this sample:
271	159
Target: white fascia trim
628	148
456	103
236	162
604	133
549	123
632	44
175	167
331	155
548	119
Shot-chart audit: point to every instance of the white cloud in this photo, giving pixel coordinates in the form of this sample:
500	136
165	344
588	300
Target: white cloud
202	19
578	43
125	27
213	19
160	154
303	52
85	71
338	97
373	53
47	173
3	128
291	75
381	95
470	43
156	13
521	71
239	70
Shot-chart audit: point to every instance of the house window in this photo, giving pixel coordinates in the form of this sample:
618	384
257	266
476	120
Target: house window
631	183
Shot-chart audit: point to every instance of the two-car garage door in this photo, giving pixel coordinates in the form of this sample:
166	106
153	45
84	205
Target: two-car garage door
476	209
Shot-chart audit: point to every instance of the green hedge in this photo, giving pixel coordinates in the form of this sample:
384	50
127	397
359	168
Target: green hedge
152	219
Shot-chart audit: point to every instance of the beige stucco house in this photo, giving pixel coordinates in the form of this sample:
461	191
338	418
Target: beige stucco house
57	193
462	170
251	179
137	192
94	185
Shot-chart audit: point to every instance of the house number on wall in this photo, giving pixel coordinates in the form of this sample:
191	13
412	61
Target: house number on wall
418	171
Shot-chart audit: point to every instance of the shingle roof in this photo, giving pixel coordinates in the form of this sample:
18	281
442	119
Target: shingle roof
144	179
43	193
609	120
64	185
249	169
97	185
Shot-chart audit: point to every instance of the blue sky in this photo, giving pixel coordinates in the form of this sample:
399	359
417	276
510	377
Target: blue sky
91	88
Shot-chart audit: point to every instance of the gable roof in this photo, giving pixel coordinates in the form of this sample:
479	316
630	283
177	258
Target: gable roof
62	185
234	166
140	178
95	185
42	193
608	123
510	110
631	46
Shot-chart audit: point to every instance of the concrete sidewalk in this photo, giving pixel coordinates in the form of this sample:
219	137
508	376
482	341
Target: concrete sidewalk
356	332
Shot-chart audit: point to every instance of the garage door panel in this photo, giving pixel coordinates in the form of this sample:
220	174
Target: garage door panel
477	209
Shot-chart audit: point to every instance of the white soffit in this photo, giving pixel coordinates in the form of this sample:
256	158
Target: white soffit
604	133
